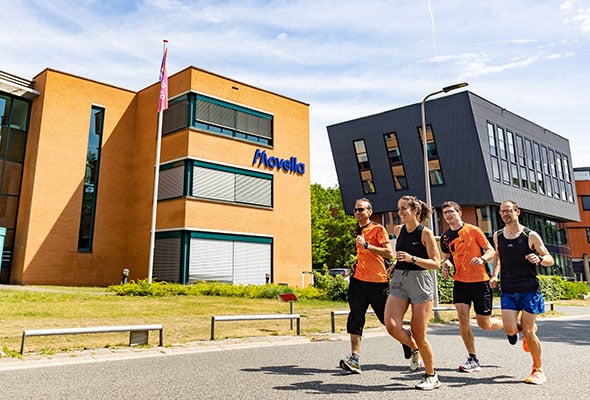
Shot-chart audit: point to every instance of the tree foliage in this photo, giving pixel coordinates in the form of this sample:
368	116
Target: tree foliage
331	229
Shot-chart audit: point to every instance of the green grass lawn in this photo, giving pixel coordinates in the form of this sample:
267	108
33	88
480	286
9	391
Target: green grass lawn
185	318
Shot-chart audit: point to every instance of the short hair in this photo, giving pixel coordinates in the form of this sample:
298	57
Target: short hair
451	203
365	200
514	204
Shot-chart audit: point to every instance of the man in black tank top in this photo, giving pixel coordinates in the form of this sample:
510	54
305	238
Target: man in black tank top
518	251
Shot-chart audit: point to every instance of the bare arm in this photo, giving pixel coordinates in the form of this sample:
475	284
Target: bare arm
496	263
536	244
447	264
433	260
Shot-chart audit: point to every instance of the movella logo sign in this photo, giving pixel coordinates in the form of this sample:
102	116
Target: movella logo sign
288	165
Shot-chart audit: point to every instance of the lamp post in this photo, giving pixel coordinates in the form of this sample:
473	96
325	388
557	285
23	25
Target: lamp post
427	174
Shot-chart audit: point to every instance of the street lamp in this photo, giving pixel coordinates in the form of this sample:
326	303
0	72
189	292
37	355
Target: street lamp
427	175
425	147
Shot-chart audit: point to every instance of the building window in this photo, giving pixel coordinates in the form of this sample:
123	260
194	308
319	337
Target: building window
511	149
492	139
234	185
544	159
540	183
434	168
218	117
558	165
588	234
524	182
191	256
570	192
208	181
362	159
395	161
566	169
505	172
171	181
537	154
503	157
521	153
502	144
585	203
236	259
14	121
89	194
532	180
548	185
552	170
493	151
514	169
529	153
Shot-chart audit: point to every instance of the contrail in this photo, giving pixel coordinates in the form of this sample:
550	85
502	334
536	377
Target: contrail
432	22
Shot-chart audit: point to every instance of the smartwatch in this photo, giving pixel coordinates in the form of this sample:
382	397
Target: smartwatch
366	245
414	259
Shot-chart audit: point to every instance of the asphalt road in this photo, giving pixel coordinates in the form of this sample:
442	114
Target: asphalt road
299	368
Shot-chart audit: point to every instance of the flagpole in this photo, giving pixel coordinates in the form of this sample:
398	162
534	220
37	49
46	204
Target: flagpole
162	105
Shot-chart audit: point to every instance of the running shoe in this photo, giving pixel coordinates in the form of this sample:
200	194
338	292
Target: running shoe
537	377
471	365
351	364
428	382
512	339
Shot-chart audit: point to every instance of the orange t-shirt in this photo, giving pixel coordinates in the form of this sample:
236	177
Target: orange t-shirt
464	244
370	267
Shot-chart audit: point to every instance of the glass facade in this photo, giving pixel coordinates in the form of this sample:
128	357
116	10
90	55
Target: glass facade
14	118
521	162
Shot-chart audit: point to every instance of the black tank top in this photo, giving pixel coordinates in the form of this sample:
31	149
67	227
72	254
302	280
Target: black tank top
517	274
410	243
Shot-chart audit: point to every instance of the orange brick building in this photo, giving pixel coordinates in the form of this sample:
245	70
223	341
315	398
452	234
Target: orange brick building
579	232
76	197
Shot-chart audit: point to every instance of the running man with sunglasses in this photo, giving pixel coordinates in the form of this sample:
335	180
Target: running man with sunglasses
369	282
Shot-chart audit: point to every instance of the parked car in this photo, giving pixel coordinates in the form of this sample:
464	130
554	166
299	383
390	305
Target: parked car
344	272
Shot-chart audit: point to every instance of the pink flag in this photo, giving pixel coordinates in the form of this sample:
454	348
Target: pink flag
163	100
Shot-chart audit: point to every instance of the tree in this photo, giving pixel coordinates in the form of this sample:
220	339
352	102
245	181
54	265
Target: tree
332	231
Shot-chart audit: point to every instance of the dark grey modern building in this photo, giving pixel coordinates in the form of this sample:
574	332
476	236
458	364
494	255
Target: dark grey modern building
479	155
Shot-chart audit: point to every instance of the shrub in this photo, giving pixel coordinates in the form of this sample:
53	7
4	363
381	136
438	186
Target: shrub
573	290
335	288
551	287
445	289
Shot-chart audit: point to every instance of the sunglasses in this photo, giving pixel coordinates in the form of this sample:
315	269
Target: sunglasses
360	209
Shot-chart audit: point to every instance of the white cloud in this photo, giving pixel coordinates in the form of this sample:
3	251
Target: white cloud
344	57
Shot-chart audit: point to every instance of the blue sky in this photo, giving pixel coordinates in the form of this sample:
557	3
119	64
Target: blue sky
347	59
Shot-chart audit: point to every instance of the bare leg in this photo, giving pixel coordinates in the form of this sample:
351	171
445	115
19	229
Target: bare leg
355	343
395	309
465	327
529	330
420	317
